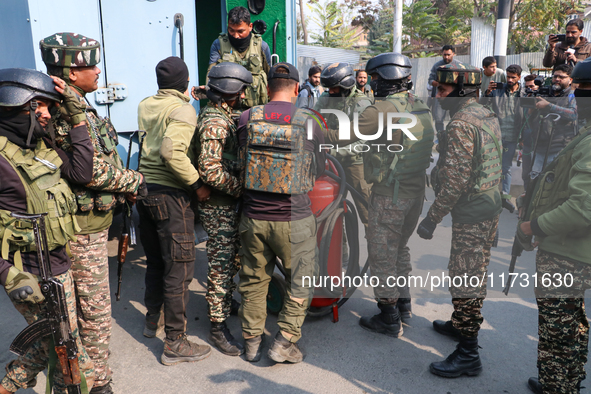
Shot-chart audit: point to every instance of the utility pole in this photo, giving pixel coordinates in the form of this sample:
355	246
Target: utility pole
502	33
397	37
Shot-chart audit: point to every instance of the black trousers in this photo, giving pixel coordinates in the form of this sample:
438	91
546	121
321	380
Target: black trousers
167	235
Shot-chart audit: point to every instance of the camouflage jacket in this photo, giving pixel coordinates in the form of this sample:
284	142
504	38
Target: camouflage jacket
357	101
110	179
216	149
457	170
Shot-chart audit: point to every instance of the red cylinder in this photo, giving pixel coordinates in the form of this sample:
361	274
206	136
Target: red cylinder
324	193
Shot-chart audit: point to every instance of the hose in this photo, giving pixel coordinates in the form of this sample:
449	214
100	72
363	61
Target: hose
329	218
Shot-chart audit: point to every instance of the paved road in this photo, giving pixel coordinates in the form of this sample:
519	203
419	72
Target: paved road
341	357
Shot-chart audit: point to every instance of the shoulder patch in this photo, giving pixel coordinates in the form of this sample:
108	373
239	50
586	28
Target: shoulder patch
186	113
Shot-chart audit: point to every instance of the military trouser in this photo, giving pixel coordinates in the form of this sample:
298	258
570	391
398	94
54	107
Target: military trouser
167	235
390	227
355	178
563	327
221	225
262	242
90	271
470	255
22	372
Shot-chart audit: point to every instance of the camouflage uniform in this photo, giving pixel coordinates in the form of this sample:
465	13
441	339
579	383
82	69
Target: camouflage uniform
560	221
218	146
96	201
352	163
474	225
22	372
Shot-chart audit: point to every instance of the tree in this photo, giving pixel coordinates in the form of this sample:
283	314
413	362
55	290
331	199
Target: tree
421	25
302	23
335	30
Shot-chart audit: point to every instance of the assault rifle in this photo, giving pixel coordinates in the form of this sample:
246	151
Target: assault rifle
127	236
56	322
521	243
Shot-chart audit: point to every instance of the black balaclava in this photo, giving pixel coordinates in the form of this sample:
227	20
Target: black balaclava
172	73
583	98
456	100
384	88
240	44
16	127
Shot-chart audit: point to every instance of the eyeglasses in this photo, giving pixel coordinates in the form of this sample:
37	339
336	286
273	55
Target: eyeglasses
560	76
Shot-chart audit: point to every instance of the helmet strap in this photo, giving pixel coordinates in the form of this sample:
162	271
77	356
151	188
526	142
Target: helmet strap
32	107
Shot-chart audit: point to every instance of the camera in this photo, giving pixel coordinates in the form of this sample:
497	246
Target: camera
530	100
560	37
500	86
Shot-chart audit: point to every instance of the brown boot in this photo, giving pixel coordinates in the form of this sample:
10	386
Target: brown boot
183	350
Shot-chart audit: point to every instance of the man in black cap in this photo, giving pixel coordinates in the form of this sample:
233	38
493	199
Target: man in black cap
276	219
166	217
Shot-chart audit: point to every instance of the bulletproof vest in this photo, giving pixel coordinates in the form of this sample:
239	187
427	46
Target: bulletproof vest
552	191
482	201
229	153
105	139
252	59
275	157
552	187
349	105
387	169
47	192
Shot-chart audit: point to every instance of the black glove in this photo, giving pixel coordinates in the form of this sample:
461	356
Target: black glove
426	228
142	191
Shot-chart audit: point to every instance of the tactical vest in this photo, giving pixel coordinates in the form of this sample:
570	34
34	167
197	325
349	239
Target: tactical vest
252	59
386	169
229	153
483	200
275	157
348	106
551	191
104	138
46	192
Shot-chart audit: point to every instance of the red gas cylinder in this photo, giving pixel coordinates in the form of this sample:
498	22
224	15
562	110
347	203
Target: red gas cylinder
324	193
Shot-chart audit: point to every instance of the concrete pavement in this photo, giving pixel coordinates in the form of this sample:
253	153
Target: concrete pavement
340	357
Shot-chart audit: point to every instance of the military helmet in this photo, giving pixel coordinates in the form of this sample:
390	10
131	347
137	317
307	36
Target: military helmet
18	86
338	74
389	66
229	78
459	74
582	71
70	50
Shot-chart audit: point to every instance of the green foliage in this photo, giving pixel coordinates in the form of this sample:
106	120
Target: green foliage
334	23
421	25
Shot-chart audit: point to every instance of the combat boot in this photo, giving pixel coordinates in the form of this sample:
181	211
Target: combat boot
105	389
254	348
182	350
386	322
534	385
404	305
465	360
154	324
282	350
222	339
447	328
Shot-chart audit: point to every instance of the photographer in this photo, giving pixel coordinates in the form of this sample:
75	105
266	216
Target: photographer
553	134
504	99
567	48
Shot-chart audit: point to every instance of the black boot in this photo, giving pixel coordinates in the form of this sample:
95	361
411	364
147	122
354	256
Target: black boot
447	328
386	322
534	385
222	339
463	361
404	305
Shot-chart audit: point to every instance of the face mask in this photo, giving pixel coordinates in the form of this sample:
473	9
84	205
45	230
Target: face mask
240	44
373	84
583	98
